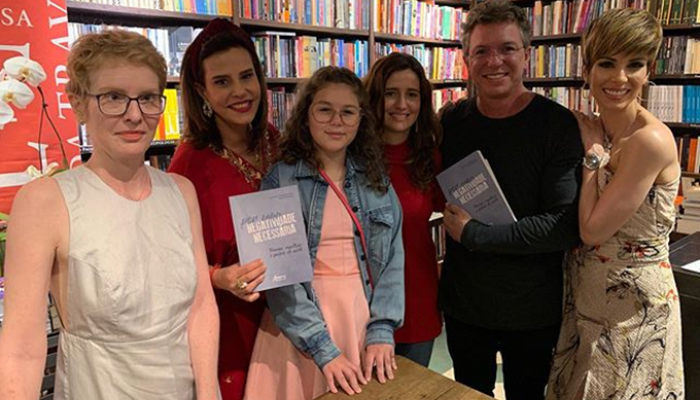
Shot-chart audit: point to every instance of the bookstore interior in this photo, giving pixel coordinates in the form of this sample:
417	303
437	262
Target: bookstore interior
293	38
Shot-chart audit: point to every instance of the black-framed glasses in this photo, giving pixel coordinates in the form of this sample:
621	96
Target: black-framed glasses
324	113
505	51
116	104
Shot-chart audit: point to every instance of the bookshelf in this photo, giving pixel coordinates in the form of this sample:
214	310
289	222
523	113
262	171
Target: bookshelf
556	69
92	13
354	23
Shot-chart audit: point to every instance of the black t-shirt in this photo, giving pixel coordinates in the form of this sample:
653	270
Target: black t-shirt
510	276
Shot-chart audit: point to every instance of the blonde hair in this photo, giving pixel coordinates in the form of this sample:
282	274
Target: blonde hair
90	52
625	31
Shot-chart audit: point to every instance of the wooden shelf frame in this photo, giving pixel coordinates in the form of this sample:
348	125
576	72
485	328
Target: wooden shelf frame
89	13
256	25
405	39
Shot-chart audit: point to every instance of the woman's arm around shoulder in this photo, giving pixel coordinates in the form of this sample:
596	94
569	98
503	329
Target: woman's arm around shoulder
203	322
38	227
648	157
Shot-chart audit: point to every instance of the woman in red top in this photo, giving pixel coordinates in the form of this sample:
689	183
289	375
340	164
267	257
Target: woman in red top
401	97
227	147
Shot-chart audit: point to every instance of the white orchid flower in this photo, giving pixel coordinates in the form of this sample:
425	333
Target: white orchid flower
7	114
14	91
48	171
24	69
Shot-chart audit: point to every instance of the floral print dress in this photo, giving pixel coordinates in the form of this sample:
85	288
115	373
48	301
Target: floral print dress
621	329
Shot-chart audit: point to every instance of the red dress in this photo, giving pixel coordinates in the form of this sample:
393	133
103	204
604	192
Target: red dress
422	320
215	179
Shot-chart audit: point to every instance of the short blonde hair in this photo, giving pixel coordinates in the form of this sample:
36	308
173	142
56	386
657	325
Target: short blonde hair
90	52
625	31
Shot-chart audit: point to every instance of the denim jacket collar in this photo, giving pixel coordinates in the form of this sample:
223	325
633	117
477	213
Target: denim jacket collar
306	170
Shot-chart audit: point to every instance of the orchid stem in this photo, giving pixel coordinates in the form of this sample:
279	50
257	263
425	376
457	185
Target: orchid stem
44	111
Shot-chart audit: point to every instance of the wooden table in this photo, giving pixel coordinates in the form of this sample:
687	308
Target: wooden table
684	251
412	382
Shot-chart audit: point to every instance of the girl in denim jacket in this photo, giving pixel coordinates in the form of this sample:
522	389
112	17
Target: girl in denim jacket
334	330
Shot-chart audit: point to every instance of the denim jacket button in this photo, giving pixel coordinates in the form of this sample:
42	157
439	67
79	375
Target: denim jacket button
357	233
355	209
347	185
363	258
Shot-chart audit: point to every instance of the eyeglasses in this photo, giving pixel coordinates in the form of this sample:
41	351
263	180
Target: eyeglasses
324	113
505	51
116	104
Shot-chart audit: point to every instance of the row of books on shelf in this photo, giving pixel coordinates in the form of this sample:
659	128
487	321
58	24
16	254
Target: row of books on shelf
444	63
418	18
689	153
573	98
555	61
563	17
442	96
286	55
171	42
679	55
212	7
348	14
568	17
672	12
675	103
672	103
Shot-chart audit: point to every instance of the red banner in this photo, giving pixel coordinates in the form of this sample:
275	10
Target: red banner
36	29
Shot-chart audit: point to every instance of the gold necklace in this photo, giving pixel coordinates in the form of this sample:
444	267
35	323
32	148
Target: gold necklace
251	174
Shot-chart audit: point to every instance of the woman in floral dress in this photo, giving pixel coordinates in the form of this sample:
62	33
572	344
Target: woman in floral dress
621	332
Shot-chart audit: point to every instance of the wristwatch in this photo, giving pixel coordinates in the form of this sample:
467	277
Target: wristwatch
592	161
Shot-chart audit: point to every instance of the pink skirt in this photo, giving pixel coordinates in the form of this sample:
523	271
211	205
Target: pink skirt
278	370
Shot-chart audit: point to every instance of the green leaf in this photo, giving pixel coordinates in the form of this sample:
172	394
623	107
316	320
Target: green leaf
3	236
4	217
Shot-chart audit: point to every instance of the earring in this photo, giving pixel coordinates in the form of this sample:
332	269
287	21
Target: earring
206	109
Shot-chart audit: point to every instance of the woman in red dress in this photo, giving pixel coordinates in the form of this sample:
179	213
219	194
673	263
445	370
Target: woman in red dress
227	147
401	97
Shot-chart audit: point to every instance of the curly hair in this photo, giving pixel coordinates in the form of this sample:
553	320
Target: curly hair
365	148
426	132
218	36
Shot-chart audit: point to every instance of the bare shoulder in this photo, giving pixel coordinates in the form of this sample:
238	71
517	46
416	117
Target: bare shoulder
42	196
653	139
185	186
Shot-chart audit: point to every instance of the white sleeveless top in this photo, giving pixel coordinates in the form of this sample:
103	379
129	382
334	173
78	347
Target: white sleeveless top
131	283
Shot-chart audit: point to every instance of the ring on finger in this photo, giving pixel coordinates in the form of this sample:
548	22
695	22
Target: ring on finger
241	285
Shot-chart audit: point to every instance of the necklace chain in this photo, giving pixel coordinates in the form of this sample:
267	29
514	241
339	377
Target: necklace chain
607	141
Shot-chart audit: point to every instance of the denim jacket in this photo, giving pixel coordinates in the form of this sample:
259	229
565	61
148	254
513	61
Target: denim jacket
295	307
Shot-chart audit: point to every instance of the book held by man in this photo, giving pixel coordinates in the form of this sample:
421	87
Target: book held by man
471	185
269	225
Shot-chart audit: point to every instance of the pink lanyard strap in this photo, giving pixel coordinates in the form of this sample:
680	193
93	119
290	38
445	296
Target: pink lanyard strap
344	200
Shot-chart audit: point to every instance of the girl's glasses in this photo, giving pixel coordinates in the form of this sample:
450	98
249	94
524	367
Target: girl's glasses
324	113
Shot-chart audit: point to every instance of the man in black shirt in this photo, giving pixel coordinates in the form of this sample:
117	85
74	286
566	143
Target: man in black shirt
501	286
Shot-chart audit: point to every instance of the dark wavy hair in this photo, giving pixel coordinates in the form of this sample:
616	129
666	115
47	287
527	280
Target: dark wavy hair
365	149
426	132
219	35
